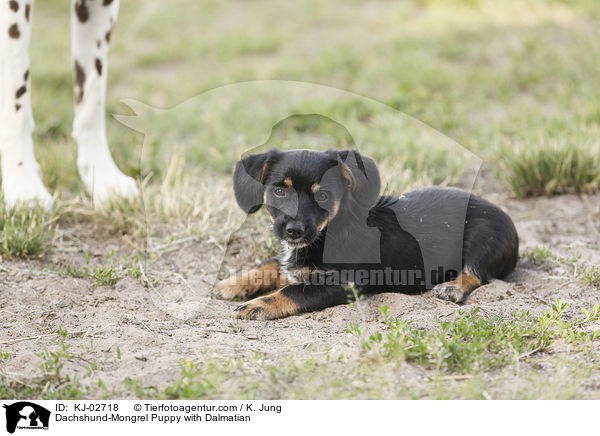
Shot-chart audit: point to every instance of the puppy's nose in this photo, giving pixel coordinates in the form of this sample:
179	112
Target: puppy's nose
294	229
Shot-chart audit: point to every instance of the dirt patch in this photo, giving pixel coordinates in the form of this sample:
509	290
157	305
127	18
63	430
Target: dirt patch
168	314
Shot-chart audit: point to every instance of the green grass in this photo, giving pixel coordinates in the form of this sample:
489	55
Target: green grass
473	342
590	274
539	169
539	255
107	274
26	230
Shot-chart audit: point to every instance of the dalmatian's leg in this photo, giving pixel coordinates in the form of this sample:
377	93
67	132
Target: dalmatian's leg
91	26
21	179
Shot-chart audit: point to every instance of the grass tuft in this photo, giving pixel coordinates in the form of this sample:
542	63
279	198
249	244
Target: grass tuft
26	230
107	274
547	170
590	274
539	255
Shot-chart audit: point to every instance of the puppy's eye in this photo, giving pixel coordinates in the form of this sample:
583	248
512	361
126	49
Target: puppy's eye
279	192
321	196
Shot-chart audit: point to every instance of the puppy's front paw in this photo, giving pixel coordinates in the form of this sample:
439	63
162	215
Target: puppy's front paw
268	307
449	291
266	277
234	287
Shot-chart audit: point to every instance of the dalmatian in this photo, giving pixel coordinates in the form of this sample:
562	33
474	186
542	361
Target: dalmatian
92	22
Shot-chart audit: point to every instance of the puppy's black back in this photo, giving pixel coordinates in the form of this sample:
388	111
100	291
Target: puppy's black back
455	230
432	234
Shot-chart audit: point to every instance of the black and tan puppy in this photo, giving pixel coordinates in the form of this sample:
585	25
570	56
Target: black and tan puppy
336	229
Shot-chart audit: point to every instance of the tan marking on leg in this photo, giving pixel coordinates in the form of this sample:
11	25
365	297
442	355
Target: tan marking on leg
266	277
315	187
457	290
271	306
287	182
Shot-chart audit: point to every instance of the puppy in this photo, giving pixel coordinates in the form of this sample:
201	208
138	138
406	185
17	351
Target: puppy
336	230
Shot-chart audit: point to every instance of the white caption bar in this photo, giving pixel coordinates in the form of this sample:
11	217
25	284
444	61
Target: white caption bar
117	417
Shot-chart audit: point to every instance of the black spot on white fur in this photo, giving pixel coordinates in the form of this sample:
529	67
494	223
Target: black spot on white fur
22	90
13	31
99	66
13	5
27	10
106	2
79	82
82	11
26	75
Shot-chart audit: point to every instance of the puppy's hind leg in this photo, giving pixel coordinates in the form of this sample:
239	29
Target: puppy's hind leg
459	289
490	250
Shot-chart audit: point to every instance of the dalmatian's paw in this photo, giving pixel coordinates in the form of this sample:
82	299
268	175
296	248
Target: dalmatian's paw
22	181
102	179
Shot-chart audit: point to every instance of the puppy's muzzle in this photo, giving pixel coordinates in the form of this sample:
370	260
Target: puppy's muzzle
294	230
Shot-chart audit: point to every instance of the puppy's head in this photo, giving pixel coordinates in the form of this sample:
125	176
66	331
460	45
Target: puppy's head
304	190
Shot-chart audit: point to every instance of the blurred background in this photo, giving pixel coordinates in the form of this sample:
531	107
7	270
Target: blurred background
514	81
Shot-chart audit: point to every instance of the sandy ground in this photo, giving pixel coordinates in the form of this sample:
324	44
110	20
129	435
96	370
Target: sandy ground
156	327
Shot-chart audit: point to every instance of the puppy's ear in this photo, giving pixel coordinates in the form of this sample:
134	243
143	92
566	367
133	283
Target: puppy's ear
249	175
362	176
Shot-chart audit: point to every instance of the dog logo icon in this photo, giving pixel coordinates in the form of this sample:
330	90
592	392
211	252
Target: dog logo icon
26	415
